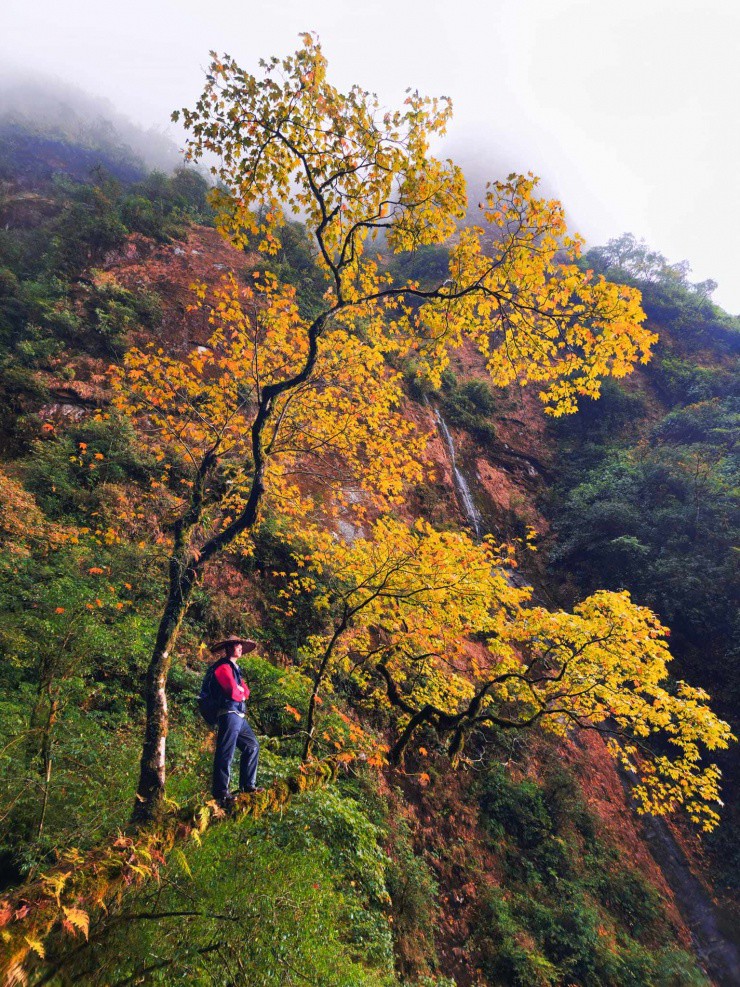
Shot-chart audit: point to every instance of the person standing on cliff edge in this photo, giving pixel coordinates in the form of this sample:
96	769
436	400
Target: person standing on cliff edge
233	730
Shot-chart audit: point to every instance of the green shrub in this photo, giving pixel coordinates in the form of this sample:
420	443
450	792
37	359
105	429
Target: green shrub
681	381
355	847
504	954
268	894
66	474
571	911
272	690
715	422
469	406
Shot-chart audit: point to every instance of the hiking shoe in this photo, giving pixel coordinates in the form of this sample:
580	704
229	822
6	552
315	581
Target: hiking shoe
227	802
251	791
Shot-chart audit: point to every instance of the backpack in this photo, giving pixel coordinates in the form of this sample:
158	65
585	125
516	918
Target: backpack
211	695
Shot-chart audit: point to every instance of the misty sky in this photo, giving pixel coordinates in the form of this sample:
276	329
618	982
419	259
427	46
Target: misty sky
628	108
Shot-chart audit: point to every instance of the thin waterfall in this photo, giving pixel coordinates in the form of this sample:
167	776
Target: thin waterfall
462	487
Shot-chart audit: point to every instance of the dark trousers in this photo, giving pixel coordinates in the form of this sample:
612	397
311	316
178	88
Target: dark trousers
233	732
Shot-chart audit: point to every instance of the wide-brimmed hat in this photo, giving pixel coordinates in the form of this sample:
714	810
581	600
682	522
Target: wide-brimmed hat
247	643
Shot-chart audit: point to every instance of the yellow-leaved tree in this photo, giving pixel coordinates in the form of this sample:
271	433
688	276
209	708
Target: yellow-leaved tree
402	605
284	410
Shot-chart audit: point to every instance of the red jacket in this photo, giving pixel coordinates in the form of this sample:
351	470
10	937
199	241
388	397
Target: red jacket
233	689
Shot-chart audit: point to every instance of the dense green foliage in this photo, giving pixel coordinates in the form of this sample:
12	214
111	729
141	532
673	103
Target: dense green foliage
470	405
52	297
648	496
679	307
569	909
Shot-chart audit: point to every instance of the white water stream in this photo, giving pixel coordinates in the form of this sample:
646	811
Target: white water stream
462	488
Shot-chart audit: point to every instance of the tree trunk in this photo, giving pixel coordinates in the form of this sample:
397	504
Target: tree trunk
311	717
416	720
184	566
310	720
152	772
46	755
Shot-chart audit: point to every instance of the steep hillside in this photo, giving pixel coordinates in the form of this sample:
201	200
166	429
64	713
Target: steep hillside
517	861
638	492
646	492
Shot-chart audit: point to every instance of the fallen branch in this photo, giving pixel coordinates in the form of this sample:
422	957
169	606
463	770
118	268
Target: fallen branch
83	883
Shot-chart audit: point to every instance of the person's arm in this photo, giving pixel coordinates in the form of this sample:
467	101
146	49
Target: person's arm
227	680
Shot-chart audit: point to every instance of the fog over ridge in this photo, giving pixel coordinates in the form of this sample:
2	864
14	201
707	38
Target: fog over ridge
60	110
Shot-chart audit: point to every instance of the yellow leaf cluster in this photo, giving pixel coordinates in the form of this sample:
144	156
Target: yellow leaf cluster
353	172
342	424
414	596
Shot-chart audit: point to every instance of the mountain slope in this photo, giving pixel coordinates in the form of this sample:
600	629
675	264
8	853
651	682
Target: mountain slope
523	866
